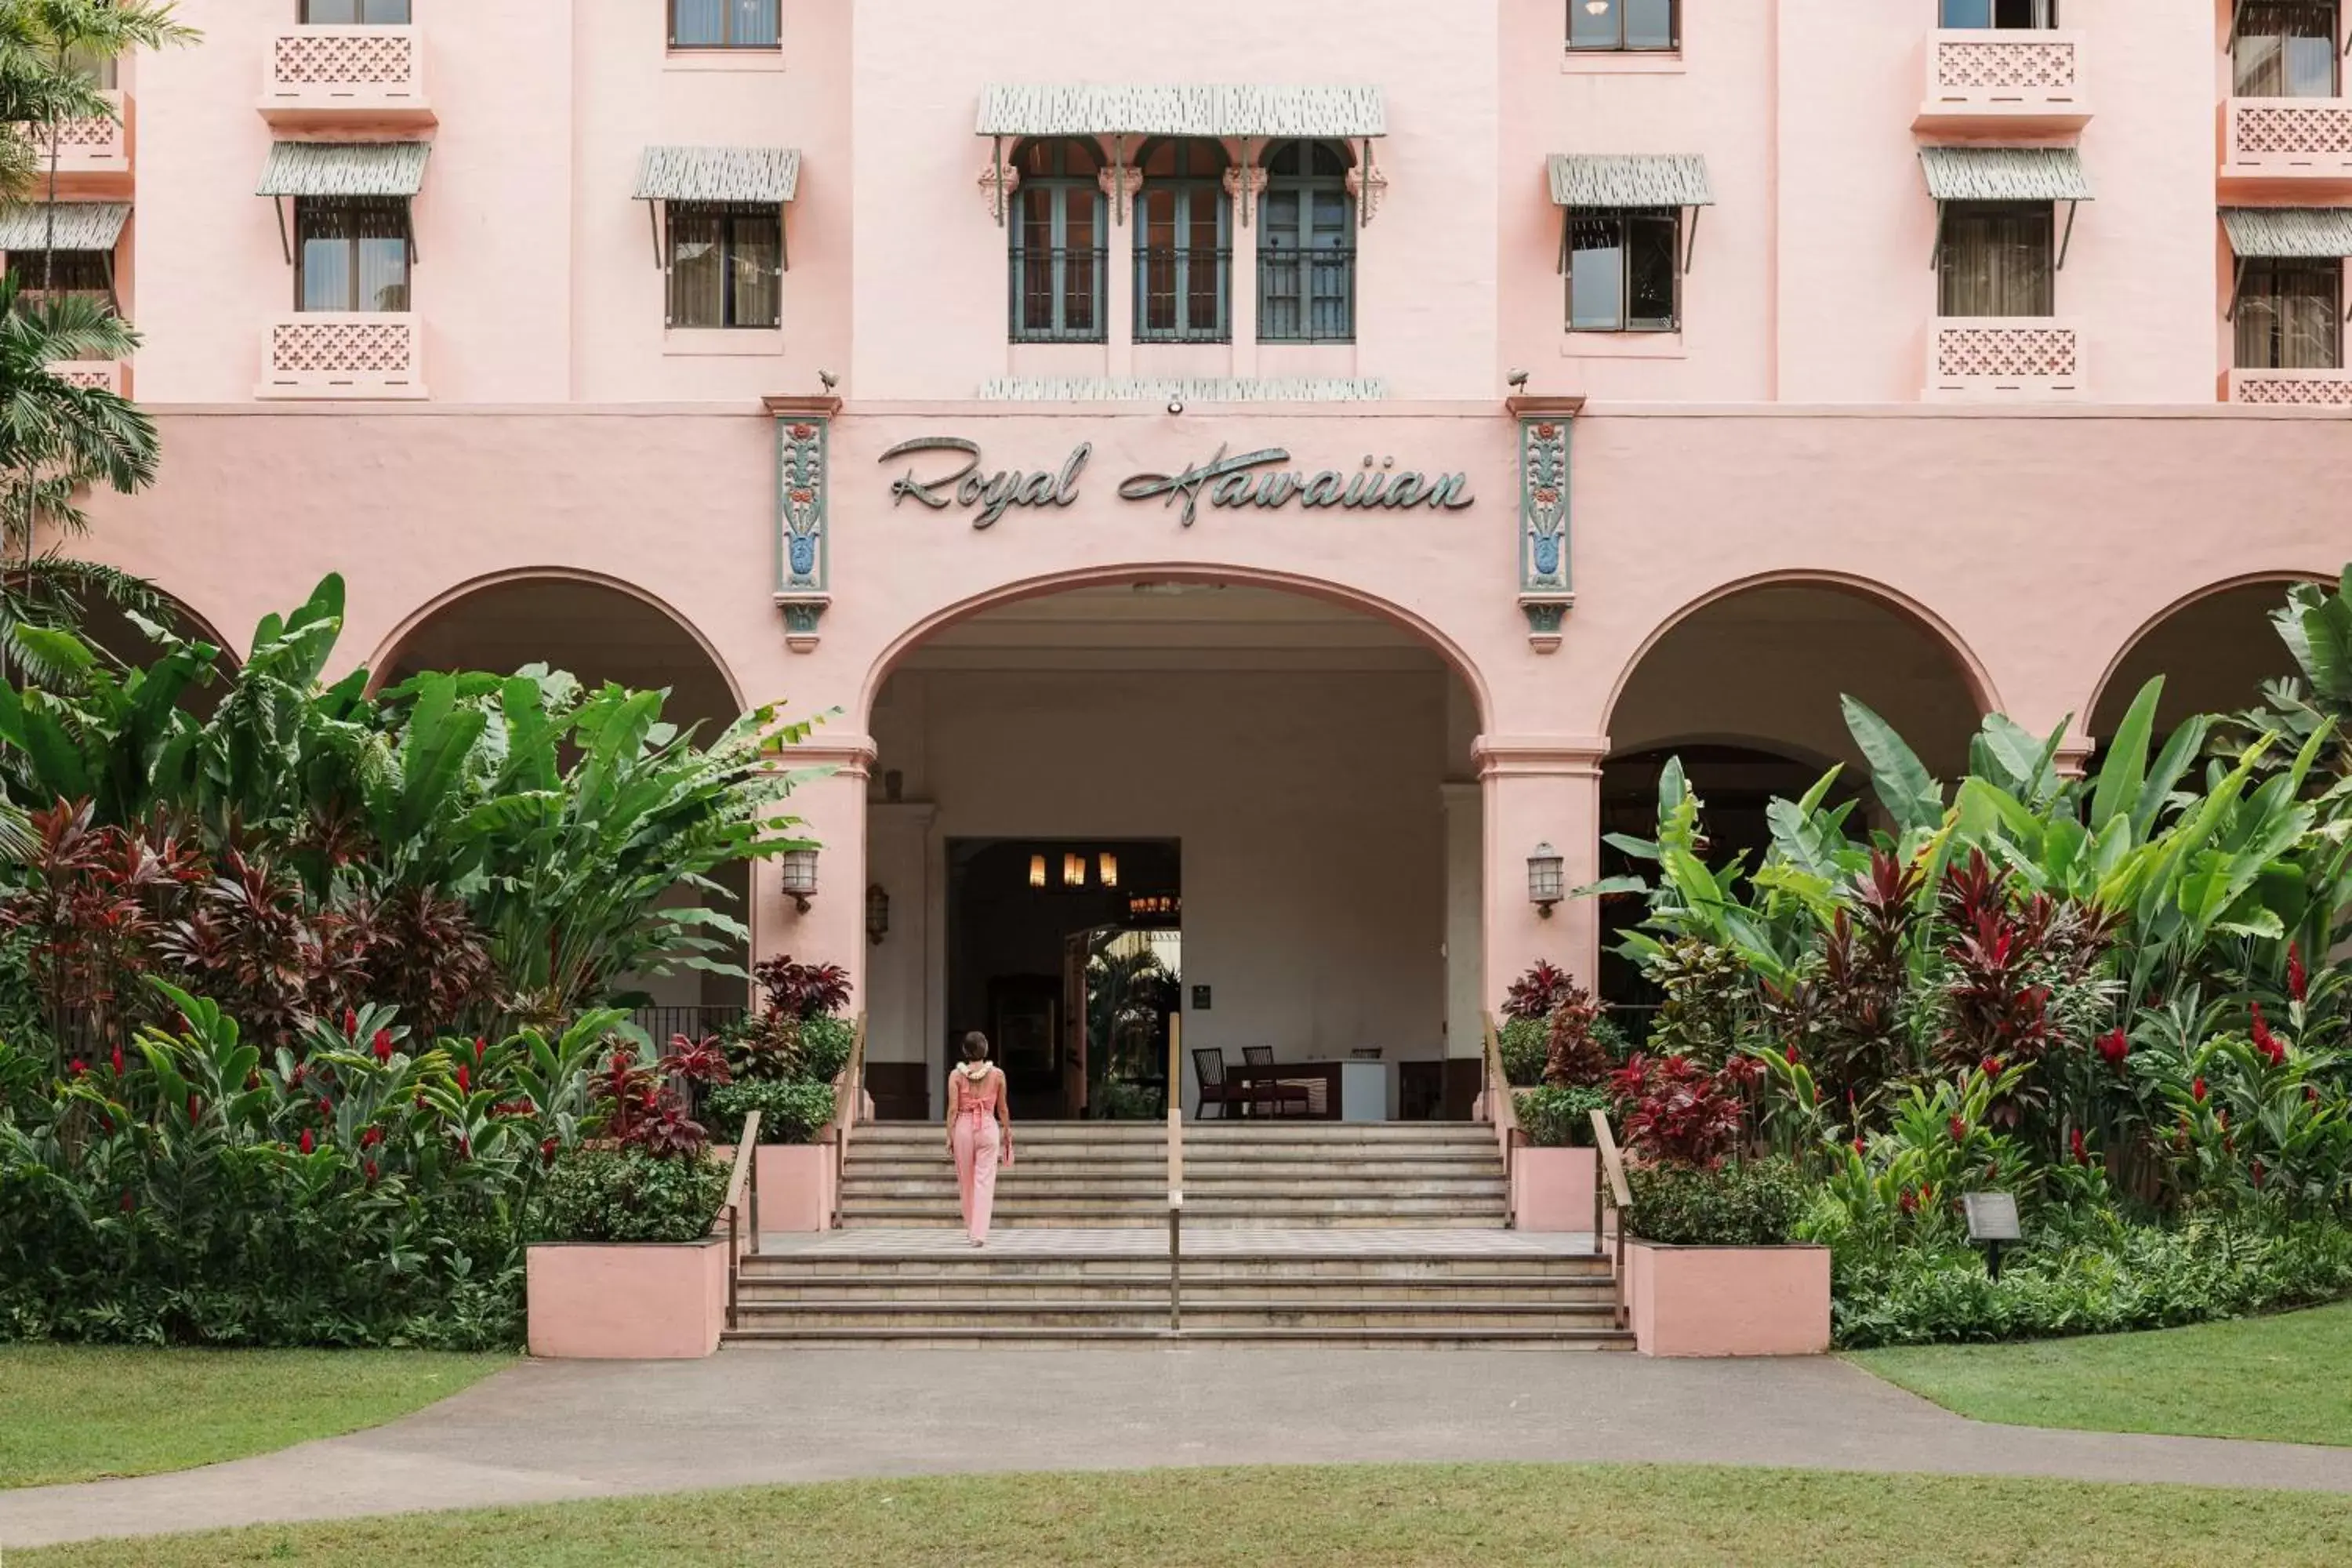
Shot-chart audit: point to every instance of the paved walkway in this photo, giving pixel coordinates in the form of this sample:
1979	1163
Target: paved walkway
552	1431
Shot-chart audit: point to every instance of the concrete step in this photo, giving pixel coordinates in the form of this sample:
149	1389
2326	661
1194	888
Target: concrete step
1299	1295
1537	1339
1136	1219
1154	1163
1231	1313
1037	1186
1006	1261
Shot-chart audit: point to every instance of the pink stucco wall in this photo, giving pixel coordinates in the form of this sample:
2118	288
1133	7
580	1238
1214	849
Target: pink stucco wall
655	1301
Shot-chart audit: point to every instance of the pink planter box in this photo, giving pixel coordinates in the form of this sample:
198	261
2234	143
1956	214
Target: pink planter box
633	1302
1728	1300
1553	1189
796	1186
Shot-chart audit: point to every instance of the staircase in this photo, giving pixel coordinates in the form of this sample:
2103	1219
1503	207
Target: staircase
1236	1174
1322	1233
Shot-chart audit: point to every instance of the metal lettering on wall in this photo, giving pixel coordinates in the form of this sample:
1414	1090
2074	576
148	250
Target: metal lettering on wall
1229	482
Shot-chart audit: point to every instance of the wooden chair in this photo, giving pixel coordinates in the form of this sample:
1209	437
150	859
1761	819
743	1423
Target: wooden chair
1209	1067
1286	1098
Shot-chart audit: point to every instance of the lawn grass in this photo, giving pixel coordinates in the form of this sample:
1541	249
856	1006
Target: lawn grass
2280	1378
77	1412
1370	1517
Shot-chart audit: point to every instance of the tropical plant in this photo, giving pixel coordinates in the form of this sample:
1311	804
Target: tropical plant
1561	1117
1748	1202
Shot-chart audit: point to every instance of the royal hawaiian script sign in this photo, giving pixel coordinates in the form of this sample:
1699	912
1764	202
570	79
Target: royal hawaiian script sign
948	472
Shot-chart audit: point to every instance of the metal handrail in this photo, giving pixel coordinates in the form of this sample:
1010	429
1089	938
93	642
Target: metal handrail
1503	1111
1621	1197
1176	1174
743	1185
848	1100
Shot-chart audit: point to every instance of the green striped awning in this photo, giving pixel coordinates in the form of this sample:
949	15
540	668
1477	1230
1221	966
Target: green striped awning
2005	174
344	169
757	175
1087	108
1630	180
80	225
2309	233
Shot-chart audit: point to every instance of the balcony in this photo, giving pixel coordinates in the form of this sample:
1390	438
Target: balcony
2004	81
346	78
2293	388
2005	358
106	374
370	355
93	156
2298	145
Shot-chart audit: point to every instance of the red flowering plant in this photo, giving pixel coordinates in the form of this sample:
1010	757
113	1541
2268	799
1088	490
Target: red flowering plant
2254	1119
1942	1141
1674	1111
803	990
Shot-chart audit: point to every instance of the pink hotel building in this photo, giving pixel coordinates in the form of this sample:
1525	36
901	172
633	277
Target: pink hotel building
1244	475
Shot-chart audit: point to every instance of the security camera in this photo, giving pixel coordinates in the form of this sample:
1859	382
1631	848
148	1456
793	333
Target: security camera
1175	406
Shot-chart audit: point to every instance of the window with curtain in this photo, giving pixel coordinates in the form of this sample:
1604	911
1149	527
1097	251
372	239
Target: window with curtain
81	274
1306	246
1996	259
2021	14
101	71
351	255
1060	220
726	265
1183	256
356	12
1623	24
2291	315
2286	48
1622	270
725	24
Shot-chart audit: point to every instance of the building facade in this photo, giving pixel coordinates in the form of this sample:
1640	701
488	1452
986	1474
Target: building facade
1240	477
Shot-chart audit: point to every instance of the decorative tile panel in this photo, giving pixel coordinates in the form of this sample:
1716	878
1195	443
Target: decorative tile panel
343	56
102	374
803	547
2031	64
1546	577
2292	388
2011	356
356	354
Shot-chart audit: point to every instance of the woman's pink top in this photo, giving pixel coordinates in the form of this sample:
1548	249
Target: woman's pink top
978	1100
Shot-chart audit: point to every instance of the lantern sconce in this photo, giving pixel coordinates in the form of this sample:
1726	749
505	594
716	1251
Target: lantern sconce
877	914
800	877
1545	879
1107	867
1036	871
1074	871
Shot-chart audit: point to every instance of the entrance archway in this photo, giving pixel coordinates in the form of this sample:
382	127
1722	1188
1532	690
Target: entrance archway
108	626
598	632
2214	649
1255	778
1745	689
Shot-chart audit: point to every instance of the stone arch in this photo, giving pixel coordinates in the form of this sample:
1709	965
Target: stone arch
1451	652
2215	647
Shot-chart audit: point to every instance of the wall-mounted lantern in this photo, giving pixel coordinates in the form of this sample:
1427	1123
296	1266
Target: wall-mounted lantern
1074	871
877	914
1546	878
1036	871
800	877
1107	866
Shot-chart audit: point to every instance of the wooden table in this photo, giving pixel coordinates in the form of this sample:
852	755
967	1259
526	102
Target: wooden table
1320	1079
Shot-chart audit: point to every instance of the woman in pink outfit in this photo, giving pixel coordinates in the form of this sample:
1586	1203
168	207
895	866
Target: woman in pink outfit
980	1133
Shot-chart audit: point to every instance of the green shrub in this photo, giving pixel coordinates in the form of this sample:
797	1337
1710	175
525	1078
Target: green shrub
627	1195
1754	1203
1523	1042
826	1044
793	1113
1560	1118
1116	1099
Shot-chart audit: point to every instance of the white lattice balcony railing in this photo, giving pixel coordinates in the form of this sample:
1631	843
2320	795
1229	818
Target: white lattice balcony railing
89	151
360	355
2294	138
2021	357
2005	78
2293	388
353	76
110	375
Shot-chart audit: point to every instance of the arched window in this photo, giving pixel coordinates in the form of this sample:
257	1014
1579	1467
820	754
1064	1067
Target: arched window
1058	243
1306	246
1183	245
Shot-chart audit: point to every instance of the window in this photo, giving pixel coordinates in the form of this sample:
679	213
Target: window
1183	256
1622	24
2026	14
2290	315
100	71
1306	248
726	265
1058	259
1622	270
725	24
1995	259
80	274
2286	48
351	255
355	12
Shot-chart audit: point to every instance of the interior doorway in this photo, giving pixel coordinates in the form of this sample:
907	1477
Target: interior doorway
1068	955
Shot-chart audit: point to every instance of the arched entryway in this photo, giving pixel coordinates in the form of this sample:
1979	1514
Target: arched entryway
599	632
108	625
1745	689
1260	800
2214	649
